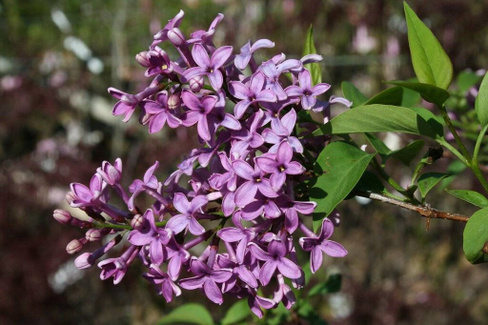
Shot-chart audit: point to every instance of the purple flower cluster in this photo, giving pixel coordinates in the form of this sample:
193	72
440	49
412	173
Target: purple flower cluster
241	199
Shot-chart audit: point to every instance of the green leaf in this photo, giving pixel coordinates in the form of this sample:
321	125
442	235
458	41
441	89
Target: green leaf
308	312
481	104
341	165
378	118
408	153
380	147
236	313
430	62
390	96
188	314
469	196
353	94
369	182
427	182
333	284
467	79
410	97
475	237
428	92
309	48
435	122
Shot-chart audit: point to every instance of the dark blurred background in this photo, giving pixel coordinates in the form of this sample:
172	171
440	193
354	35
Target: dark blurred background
57	58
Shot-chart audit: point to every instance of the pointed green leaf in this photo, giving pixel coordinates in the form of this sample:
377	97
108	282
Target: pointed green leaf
309	48
380	147
427	182
467	79
429	60
435	122
428	92
408	153
369	182
353	94
378	118
475	237
410	98
188	314
341	165
236	313
390	96
469	196
481	104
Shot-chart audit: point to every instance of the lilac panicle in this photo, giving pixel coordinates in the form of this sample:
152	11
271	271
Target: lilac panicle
235	193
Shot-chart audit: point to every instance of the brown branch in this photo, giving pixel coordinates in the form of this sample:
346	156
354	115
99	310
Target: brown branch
425	211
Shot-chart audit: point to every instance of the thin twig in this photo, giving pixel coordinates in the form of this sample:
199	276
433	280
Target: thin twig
425	211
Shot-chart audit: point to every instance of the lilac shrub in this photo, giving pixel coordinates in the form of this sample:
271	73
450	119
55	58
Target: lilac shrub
238	192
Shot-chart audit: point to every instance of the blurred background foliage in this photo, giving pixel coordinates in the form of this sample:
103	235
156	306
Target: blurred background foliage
57	58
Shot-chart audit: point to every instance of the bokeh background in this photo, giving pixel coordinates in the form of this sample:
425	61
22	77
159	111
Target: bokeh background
57	58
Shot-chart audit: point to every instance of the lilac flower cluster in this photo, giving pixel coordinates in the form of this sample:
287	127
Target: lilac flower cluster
241	199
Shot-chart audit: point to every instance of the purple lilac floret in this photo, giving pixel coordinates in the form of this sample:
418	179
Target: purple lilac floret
243	204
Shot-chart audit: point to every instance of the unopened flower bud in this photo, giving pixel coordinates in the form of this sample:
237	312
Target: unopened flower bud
196	83
138	222
84	261
176	37
62	216
174	101
142	59
75	246
93	234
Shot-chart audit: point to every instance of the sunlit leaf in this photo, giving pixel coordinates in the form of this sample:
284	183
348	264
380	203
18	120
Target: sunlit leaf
390	96
309	48
379	118
430	61
353	94
341	166
469	196
188	314
428	92
481	104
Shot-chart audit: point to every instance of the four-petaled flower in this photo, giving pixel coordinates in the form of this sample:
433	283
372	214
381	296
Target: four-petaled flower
186	218
209	66
317	245
274	259
279	165
307	93
206	278
159	113
153	236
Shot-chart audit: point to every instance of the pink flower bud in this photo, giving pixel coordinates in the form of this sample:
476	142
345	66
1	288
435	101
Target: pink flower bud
62	216
176	37
93	234
75	246
196	83
174	101
137	222
142	59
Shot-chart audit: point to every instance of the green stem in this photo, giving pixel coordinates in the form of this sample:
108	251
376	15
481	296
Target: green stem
474	162
449	147
113	226
478	142
451	128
